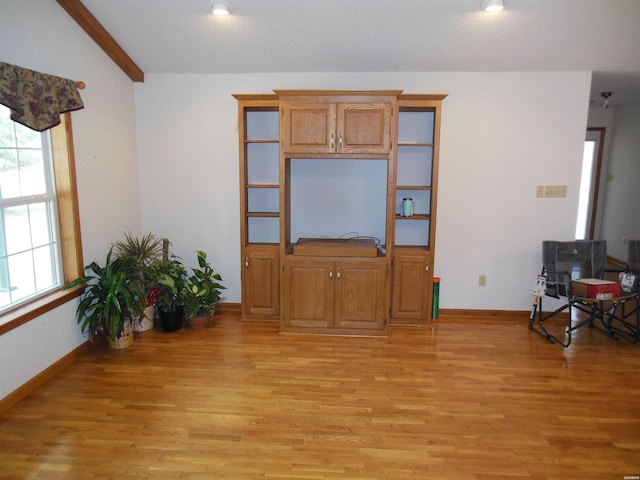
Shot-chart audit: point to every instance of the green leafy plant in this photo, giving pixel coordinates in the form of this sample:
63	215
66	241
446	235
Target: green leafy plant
203	289
171	278
109	298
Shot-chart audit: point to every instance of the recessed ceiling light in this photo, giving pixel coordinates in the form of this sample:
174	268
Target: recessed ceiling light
493	5
221	8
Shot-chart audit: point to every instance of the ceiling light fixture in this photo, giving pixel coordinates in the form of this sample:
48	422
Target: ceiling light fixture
492	5
221	8
605	96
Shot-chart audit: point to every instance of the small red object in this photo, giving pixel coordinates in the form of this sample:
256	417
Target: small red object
595	288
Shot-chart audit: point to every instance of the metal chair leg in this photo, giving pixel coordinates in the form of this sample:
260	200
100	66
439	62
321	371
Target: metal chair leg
538	317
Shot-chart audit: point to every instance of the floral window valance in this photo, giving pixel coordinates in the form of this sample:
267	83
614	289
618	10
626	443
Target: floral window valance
36	99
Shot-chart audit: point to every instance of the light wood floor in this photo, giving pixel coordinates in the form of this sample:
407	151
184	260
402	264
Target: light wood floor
475	399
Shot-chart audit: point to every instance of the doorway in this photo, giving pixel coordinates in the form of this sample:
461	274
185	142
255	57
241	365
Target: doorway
589	183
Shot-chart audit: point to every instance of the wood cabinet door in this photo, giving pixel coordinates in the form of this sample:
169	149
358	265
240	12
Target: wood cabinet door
309	127
360	293
262	283
309	293
410	298
364	127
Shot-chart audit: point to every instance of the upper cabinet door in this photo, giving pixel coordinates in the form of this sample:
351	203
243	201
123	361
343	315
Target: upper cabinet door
309	127
337	127
364	127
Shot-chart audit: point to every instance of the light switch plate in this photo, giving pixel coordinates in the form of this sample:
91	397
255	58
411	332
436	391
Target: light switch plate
551	191
555	191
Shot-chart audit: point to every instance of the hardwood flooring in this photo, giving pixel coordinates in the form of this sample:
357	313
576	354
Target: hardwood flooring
475	398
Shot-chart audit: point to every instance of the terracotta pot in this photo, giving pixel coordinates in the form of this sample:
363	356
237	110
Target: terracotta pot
199	322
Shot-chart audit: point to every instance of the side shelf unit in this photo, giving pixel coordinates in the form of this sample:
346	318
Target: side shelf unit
258	127
416	179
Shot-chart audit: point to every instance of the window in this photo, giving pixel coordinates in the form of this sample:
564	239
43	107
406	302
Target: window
39	227
29	247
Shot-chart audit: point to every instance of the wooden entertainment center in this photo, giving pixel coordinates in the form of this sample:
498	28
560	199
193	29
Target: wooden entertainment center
348	285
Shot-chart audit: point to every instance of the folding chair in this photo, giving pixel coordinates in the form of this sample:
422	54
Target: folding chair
626	324
563	262
634	256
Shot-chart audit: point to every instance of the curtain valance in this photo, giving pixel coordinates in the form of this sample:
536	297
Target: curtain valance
36	99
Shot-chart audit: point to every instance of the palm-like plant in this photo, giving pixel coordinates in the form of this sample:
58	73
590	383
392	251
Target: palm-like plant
147	251
110	297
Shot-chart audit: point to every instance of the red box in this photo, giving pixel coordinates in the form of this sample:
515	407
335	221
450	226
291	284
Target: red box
595	288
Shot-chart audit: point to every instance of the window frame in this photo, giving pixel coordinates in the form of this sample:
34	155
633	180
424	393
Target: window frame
71	261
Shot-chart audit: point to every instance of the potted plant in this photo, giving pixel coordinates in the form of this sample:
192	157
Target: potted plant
109	301
147	252
171	280
202	293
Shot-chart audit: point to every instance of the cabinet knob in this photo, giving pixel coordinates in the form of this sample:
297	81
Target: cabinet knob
426	266
331	273
246	262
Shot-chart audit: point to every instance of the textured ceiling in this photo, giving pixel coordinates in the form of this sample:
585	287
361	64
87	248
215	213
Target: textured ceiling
182	36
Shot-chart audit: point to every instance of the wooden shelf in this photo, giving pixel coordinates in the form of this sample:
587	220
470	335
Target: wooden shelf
336	247
262	185
417	216
263	214
262	244
413	187
409	249
411	144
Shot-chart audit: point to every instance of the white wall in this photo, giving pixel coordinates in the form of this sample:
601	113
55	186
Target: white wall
39	35
621	215
502	134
